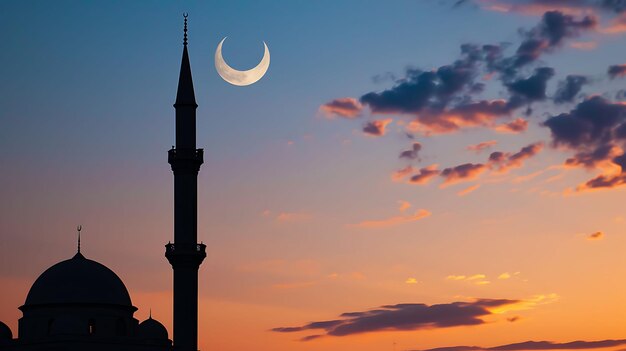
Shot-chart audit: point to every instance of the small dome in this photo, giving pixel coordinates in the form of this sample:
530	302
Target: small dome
5	333
151	329
78	280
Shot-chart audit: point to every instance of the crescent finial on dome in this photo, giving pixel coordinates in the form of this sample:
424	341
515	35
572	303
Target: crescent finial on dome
79	228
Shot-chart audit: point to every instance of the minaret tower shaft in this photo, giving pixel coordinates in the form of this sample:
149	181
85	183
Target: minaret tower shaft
185	254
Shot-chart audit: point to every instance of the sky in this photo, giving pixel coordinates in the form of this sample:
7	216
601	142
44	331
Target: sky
408	175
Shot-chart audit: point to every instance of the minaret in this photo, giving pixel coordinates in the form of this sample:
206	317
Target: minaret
185	254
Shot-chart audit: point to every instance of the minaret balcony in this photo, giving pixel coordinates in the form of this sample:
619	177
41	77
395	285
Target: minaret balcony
187	253
185	159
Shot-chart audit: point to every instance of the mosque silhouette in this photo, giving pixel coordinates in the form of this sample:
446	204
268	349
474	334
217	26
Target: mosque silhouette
80	304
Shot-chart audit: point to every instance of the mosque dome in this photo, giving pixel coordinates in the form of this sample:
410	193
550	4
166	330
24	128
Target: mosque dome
151	329
5	333
78	281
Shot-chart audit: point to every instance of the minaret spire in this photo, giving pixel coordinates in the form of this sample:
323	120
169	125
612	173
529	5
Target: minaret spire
185	254
185	94
185	15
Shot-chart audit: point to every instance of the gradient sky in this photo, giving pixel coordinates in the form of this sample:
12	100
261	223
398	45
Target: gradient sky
301	205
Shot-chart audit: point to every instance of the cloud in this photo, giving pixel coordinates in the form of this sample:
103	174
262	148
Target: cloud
419	89
592	122
530	303
401	173
503	162
425	175
498	161
549	34
519	125
538	7
616	26
407	316
569	88
343	107
392	221
442	100
595	236
482	146
482	113
468	190
376	127
616	71
528	177
462	173
538	345
595	157
446	99
404	205
409	95
478	279
603	182
412	153
596	130
569	7
411	281
532	88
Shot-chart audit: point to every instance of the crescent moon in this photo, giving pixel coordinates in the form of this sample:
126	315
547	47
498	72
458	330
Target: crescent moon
241	78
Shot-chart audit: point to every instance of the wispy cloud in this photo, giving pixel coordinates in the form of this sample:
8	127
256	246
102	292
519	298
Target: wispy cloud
478	279
517	126
595	236
400	174
537	345
616	71
425	175
392	221
377	127
462	173
482	146
468	190
403	205
407	316
343	107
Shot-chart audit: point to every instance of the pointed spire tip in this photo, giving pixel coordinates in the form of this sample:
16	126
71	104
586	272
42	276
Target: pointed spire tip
185	15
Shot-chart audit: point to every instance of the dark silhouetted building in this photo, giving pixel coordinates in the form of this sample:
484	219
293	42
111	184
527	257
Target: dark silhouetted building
80	304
